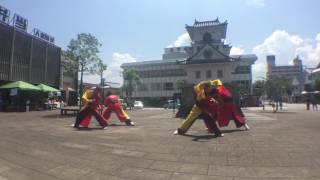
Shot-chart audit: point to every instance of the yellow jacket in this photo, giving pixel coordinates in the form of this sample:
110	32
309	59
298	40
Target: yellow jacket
199	88
87	95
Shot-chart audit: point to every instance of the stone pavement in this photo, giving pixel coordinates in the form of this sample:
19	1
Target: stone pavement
42	145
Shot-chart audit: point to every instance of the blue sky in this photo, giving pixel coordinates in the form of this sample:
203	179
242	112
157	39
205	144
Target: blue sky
136	30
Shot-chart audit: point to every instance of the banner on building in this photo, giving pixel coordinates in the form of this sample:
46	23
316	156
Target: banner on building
20	22
42	35
4	14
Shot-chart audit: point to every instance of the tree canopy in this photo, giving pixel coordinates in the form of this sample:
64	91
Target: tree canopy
133	81
98	69
274	87
82	53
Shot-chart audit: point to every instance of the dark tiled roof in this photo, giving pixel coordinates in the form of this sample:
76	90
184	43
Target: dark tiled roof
206	23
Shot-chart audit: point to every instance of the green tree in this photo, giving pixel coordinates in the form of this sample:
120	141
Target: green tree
82	54
316	82
258	88
70	66
132	79
238	88
98	69
278	86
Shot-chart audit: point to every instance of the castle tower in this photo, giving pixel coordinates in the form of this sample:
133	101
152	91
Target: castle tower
209	33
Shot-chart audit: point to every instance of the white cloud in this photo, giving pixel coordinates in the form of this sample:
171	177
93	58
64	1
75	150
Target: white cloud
182	40
285	47
236	51
257	3
113	72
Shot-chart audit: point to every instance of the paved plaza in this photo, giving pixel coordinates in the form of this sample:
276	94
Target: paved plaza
42	145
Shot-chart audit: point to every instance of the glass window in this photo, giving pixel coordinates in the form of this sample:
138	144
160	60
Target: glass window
208	74
168	86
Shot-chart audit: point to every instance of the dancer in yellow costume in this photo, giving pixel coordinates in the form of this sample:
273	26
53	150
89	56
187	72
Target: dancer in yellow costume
195	112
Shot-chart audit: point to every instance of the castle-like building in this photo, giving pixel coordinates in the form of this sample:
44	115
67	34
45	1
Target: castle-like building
207	57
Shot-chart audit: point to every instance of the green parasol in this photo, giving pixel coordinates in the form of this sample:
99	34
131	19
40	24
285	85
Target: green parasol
46	88
20	85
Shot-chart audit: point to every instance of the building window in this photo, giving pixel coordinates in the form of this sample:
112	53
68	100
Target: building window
155	86
162	73
198	74
143	87
168	86
220	74
243	70
208	74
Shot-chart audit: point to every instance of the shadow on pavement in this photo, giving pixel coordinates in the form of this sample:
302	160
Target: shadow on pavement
87	129
278	112
231	130
117	124
200	137
54	116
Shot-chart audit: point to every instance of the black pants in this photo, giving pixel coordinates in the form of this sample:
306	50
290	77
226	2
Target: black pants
211	123
85	112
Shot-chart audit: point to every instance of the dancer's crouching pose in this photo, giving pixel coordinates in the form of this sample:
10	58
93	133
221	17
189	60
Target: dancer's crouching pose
113	104
213	99
90	99
201	108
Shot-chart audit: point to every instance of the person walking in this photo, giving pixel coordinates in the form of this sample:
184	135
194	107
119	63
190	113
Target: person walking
314	103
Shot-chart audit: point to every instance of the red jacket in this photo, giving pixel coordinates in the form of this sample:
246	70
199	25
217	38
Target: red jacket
111	100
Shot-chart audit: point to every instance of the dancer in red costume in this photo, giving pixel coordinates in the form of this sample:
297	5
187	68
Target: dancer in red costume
209	107
91	99
227	108
213	102
113	104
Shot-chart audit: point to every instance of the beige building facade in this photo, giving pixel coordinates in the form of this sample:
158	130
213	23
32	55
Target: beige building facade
207	57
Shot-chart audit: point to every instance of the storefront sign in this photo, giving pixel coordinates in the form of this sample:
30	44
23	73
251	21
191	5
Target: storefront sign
43	35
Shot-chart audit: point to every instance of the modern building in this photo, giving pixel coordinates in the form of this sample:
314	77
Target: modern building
316	78
207	57
28	58
299	75
316	71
